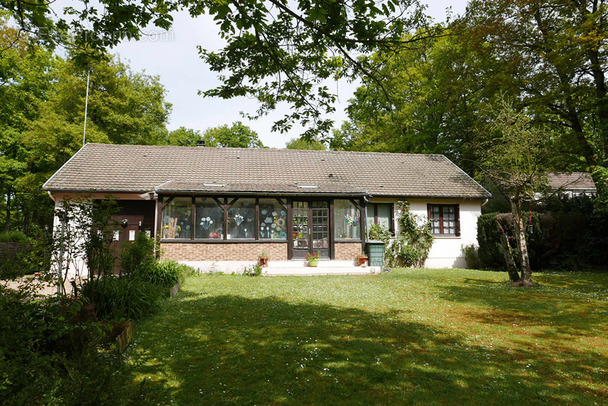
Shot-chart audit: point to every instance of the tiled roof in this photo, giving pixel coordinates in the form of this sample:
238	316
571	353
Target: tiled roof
571	181
138	168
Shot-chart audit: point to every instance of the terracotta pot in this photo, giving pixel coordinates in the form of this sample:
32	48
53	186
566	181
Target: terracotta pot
263	261
362	261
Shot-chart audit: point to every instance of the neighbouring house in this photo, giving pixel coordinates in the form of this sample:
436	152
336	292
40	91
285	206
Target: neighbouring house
572	184
229	204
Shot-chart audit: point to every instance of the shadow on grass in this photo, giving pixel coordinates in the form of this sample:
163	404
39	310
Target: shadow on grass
570	307
235	350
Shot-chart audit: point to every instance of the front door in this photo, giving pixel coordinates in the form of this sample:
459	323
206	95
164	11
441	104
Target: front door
310	228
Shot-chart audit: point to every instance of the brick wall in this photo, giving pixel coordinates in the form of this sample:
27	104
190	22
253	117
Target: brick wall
347	250
180	251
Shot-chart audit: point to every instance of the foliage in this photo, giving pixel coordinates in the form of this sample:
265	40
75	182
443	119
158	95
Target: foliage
14	236
555	65
164	273
184	137
263	255
139	256
377	232
237	135
427	101
253	270
313	256
412	244
427	330
53	351
122	298
277	52
41	122
471	256
301	143
516	161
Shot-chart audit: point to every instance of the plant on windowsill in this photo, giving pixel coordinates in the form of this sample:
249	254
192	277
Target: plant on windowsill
263	260
361	259
312	258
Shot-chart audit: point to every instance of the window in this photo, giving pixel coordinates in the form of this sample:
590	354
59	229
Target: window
273	220
380	213
241	219
445	219
176	218
209	221
347	220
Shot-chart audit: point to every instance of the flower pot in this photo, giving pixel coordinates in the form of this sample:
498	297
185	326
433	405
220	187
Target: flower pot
263	261
312	262
362	261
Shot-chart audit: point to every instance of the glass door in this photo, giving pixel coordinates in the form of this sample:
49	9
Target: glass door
310	228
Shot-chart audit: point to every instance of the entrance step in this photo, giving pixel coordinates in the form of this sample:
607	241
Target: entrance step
277	268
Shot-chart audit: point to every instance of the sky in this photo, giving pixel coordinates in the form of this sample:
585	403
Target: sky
173	56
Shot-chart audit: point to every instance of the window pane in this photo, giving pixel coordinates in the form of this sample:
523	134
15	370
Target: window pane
176	218
347	220
241	219
370	215
384	216
209	218
273	220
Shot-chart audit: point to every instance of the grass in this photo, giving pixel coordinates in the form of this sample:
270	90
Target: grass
408	337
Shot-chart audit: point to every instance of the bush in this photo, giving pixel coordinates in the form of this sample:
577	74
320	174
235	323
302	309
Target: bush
379	233
164	273
138	255
53	352
14	236
253	270
122	298
471	256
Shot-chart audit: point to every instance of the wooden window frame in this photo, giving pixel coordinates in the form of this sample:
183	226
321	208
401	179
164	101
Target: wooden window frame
456	207
391	224
225	203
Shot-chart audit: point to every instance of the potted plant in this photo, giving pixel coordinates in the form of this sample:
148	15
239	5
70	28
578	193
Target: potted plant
361	259
263	260
312	258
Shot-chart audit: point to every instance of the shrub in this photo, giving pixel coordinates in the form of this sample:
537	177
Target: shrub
122	298
471	256
164	273
379	233
138	254
253	270
14	236
412	245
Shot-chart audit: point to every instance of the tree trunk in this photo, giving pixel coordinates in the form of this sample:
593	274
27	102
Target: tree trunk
520	238
508	254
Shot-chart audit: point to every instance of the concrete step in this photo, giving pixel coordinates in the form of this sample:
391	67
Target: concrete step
319	270
325	267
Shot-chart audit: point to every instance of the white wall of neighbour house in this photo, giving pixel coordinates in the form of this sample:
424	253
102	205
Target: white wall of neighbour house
68	258
446	251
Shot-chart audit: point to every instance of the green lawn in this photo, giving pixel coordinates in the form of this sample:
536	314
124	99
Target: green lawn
408	337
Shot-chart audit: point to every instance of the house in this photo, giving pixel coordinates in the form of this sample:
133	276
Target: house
572	184
229	204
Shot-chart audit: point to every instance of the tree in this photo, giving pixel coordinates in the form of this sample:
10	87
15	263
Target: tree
184	137
26	73
301	143
277	51
236	136
557	59
515	160
436	94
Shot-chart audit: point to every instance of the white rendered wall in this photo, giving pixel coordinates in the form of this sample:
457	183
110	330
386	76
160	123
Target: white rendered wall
447	251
